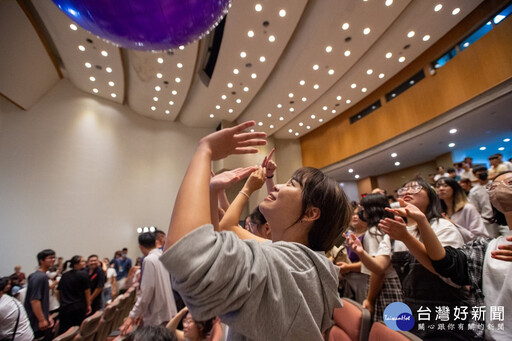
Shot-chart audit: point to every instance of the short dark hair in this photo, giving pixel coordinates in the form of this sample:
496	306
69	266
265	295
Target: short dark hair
374	206
494	156
151	333
147	240
465	180
257	218
41	256
92	256
159	233
125	249
3	282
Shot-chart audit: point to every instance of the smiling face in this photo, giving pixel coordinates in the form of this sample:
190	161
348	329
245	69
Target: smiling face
190	329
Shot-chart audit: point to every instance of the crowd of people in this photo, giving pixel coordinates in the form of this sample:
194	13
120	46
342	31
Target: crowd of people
442	246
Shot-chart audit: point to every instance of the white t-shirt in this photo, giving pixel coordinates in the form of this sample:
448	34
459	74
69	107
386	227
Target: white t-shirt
111	273
8	317
376	243
446	232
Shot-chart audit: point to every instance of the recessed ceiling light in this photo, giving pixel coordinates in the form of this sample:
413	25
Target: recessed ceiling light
401	59
253	76
369	71
389	2
348	101
111	83
297	134
279	106
282	13
411	34
271	126
350	170
397	163
381	75
171	103
174	92
155	99
313	117
258	7
483	148
389	55
291	110
456	11
113	95
301	124
73	27
316	86
353	85
451	145
453	131
177	79
167	112
364	90
426	37
88	65
92	79
290	95
95	90
179	65
157	88
333	111
394	154
320	120
269	115
217	107
438	7
356	176
246	88
108	69
250	34
347	53
104	53
181	47
153	108
235	71
308	127
304	99
338	98
345	26
260	123
366	31
302	82
290	130
281	118
230	85
315	67
223	97
159	75
160	60
81	48
501	148
506	140
262	59
324	107
238	100
230	111
328	49
331	72
212	115
243	54
271	39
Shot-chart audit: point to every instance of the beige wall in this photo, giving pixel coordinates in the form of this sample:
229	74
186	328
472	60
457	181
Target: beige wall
78	174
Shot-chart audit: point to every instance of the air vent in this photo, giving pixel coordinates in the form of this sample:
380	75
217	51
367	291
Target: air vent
405	85
365	112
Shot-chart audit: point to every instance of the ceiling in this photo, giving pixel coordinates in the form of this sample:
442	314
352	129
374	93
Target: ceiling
290	65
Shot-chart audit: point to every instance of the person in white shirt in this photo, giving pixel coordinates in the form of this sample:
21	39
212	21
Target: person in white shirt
13	317
110	288
441	173
155	302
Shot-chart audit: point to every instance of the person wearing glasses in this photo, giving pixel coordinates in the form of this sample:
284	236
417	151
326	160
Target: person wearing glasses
423	288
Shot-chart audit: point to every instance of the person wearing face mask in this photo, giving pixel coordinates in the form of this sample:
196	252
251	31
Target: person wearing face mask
53	281
483	264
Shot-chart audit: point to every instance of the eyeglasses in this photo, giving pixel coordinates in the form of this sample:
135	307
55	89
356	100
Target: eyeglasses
493	185
188	321
413	189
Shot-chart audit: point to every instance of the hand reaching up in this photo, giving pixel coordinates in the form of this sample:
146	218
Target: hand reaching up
407	210
354	243
255	181
396	228
226	179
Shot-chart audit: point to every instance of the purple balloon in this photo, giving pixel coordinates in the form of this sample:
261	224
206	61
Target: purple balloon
146	24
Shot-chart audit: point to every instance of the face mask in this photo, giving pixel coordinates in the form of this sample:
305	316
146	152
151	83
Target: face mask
51	275
501	197
483	176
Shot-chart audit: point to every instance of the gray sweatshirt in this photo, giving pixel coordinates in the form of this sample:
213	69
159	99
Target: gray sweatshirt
262	291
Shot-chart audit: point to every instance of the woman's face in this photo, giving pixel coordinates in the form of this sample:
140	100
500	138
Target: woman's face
500	193
414	194
81	264
444	191
357	223
190	330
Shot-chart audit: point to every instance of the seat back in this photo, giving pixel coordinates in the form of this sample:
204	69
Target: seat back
89	327
352	322
69	335
105	325
381	332
120	309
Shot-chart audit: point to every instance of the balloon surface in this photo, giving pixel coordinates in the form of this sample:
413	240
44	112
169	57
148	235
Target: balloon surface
146	24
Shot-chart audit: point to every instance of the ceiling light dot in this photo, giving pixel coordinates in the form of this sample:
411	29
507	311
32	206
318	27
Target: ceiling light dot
401	59
271	126
313	116
296	134
353	85
235	71
246	88
179	65
302	82
410	34
238	100
389	2
292	110
88	65
262	59
167	112
389	55
171	103
113	95
174	92
282	13
451	145
501	148
320	120
258	7
345	26
160	60
279	106
223	97
394	154
483	148
331	72
243	54
369	71
308	127
217	107
301	124
269	115
328	49
350	170
290	95
73	27
356	176
348	101
397	163
230	111
333	111
260	123
316	67
212	115
324	107
157	88
177	80
453	131
111	83
81	48
381	75
338	98
456	11
316	86
159	75
104	53
281	118
426	37
95	90
108	69
438	7
364	89
93	79
155	99
366	31
253	76
250	34
181	47
290	130
347	53
506	140
304	99
271	39
230	85
153	108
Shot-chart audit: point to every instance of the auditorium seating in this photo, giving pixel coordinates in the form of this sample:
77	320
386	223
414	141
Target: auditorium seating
69	335
351	322
89	327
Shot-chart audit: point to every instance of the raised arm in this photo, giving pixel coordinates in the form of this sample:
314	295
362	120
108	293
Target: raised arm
175	321
192	206
376	264
271	167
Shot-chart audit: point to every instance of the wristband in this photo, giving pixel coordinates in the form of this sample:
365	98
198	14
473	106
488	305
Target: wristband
242	192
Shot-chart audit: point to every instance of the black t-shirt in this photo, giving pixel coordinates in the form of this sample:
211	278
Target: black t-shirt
72	288
37	289
96	280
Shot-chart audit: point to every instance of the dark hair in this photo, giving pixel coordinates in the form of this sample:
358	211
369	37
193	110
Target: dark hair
125	249
465	180
459	198
147	240
257	218
374	206
72	262
450	170
92	256
434	210
4	281
318	190
151	333
159	233
204	327
41	256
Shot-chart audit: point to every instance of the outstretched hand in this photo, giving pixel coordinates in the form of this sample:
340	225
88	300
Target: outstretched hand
233	141
255	181
226	179
269	164
396	228
504	252
354	243
407	210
